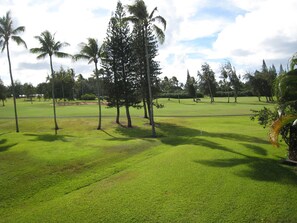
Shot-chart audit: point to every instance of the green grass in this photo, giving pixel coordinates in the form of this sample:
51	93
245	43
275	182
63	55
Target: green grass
199	169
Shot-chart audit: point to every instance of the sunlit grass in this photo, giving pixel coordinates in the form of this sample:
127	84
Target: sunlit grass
198	169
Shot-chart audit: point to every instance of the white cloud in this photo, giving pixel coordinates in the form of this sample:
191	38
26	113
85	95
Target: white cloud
247	32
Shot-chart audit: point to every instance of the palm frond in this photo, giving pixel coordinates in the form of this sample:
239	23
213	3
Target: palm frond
293	61
160	34
62	55
152	13
278	125
77	57
18	30
42	56
19	40
161	20
138	9
132	19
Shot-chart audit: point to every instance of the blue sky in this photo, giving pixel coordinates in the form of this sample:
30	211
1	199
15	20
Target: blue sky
198	31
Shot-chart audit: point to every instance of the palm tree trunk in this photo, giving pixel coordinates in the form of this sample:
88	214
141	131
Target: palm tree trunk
53	96
13	90
151	110
98	95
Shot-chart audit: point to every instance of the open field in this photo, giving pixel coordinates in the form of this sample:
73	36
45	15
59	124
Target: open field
199	169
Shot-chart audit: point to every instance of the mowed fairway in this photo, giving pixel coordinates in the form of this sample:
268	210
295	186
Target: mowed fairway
204	166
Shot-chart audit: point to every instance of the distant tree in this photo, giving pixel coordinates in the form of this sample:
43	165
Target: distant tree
3	92
50	47
191	86
44	89
65	84
207	81
262	82
228	72
29	90
7	32
146	22
92	52
281	69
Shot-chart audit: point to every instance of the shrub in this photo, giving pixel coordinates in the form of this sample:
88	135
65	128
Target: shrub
88	97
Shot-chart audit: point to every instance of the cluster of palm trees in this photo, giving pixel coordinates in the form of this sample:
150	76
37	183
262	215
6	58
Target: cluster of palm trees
90	51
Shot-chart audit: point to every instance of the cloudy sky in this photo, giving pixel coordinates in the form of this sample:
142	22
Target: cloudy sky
242	31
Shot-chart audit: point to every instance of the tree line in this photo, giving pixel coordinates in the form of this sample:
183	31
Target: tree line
125	70
128	70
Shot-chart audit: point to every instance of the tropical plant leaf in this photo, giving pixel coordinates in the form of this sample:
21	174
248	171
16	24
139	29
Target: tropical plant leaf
277	125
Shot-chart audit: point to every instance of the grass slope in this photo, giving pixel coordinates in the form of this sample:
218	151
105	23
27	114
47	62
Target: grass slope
199	169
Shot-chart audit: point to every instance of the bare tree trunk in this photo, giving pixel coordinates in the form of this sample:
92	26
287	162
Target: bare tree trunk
118	112
53	95
144	108
13	90
98	95
129	125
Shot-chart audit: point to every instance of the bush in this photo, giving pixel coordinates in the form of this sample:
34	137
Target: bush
182	95
88	97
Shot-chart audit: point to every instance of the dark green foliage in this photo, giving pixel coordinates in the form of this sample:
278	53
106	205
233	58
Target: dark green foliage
119	63
262	82
87	97
3	92
231	80
207	81
191	86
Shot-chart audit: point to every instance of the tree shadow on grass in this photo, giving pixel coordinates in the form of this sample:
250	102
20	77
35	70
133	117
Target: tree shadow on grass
3	147
49	137
261	168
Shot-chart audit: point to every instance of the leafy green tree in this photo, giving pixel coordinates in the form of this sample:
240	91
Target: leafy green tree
191	86
44	89
144	22
29	90
50	47
228	72
65	84
119	64
3	92
7	32
283	119
207	83
92	52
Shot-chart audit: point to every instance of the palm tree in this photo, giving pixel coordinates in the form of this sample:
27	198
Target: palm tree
286	123
92	52
50	47
141	18
7	32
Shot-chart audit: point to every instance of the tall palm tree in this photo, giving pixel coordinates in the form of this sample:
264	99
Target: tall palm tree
7	32
50	47
141	18
92	52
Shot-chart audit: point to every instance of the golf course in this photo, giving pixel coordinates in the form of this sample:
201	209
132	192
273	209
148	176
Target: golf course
208	163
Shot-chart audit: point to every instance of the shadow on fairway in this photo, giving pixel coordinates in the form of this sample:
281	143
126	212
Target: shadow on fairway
49	137
5	147
260	168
